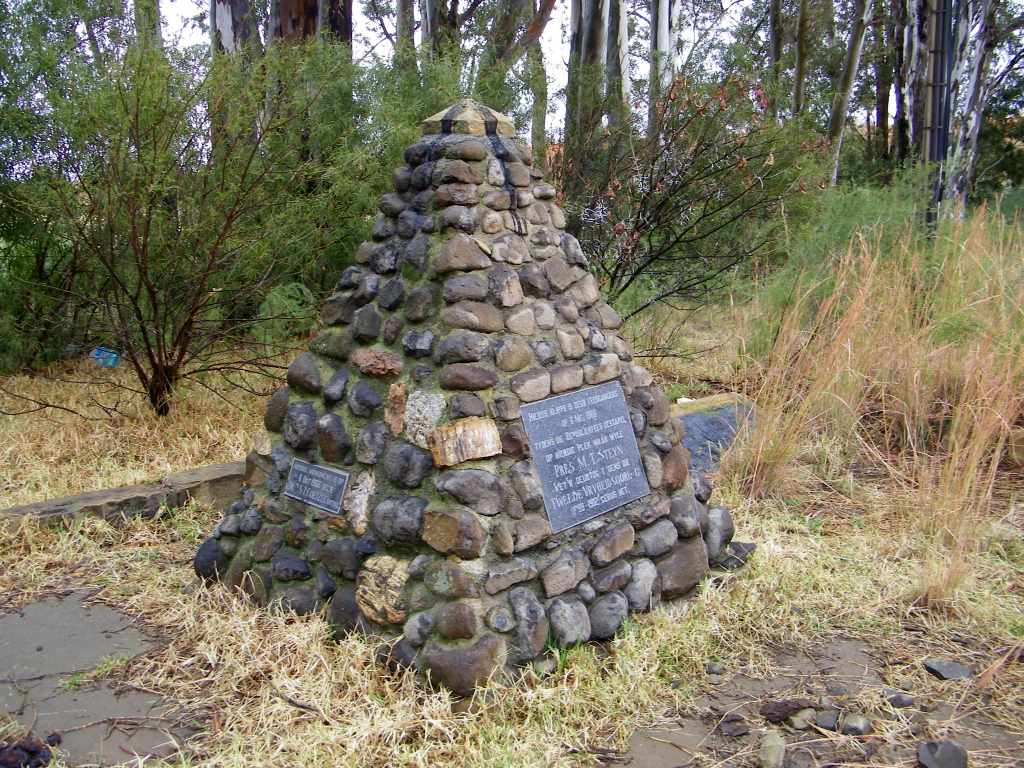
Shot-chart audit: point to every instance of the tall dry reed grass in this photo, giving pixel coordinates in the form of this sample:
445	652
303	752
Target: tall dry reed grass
910	361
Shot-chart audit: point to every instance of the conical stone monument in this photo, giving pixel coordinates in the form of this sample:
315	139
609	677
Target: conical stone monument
468	460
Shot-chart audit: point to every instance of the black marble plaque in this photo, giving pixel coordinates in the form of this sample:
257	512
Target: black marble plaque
320	487
585	452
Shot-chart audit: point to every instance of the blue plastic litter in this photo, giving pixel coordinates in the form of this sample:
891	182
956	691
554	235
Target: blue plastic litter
106	358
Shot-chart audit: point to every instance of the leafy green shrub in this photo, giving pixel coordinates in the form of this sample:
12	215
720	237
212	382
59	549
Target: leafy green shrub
287	312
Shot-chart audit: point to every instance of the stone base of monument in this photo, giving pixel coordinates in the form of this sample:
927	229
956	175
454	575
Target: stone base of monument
468	460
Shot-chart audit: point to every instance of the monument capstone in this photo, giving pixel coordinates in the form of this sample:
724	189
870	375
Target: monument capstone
468	460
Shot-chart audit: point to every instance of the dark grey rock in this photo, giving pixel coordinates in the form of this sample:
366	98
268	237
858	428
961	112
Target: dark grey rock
531	632
398	519
421	303
683	567
392	329
417	628
642	592
300	599
300	425
533	281
363	399
545	352
304	374
267	542
607	614
383	228
366	324
464	288
701	487
735	555
612	577
251	522
367	291
466	404
325	585
210	561
344	612
418	343
569	620
371	443
586	591
856	724
406	465
458	217
500	619
462	347
526	483
277	407
719	532
332	438
505	407
485	492
898	699
341	557
384	260
392	294
659	440
416	250
689	516
657	539
350	277
945	669
288	567
334	392
941	754
828	720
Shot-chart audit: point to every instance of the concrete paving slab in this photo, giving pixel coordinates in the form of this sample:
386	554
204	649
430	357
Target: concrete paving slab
47	651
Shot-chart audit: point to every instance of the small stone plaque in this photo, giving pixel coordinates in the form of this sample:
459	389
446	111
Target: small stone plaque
320	487
585	452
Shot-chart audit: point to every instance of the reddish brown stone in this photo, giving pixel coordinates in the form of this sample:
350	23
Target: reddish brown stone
394	408
455	531
674	468
377	362
457	621
467	377
462	668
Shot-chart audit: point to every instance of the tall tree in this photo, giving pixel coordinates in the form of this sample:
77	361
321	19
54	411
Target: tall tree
147	21
616	59
802	50
234	27
844	88
882	31
774	55
660	76
970	89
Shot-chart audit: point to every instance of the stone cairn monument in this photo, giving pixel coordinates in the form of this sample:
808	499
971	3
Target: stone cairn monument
468	460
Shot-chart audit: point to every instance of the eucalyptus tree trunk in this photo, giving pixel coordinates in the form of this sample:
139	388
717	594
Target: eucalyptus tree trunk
800	72
901	121
233	27
841	101
405	44
306	19
915	73
660	77
970	89
775	55
881	30
615	60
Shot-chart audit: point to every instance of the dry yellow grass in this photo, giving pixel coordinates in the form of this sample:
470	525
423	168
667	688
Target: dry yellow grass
241	670
53	453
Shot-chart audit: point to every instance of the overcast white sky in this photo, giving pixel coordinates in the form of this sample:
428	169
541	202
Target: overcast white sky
178	16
